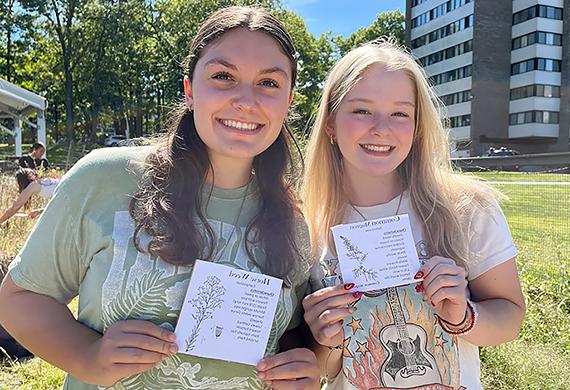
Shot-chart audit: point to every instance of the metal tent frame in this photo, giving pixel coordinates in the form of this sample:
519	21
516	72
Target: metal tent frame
18	103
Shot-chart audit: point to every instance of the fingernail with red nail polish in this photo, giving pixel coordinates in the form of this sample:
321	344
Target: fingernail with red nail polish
357	294
348	286
420	288
419	275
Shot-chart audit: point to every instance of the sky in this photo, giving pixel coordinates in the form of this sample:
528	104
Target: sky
342	17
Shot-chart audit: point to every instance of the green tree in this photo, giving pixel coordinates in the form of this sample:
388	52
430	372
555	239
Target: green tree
315	57
61	16
16	26
387	24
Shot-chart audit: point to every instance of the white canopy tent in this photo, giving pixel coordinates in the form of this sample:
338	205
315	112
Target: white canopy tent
18	103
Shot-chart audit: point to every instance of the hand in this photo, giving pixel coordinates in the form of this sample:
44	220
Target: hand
325	311
294	369
444	286
34	213
127	348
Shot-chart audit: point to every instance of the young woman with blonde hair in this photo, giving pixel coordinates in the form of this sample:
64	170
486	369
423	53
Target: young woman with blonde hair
379	148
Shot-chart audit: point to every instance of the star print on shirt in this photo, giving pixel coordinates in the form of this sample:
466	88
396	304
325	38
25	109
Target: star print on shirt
362	347
355	325
440	341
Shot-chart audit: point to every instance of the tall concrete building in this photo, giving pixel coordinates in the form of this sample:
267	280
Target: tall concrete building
501	67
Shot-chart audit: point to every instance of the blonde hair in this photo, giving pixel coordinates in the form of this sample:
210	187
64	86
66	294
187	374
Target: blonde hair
443	200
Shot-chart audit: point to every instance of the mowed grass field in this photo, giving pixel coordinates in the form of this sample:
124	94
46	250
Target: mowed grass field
539	217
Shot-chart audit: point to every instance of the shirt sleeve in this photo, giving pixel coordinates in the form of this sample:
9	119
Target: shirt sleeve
490	241
49	262
61	245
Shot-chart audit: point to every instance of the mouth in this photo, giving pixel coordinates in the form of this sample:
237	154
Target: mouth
377	149
242	126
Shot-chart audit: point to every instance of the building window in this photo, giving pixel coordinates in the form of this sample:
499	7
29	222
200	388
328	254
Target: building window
544	64
546	117
456	98
443	32
418	2
451	75
539	90
438	11
450	52
537	11
542	37
460	121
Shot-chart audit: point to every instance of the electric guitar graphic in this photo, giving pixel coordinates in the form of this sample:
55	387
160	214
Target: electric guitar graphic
409	364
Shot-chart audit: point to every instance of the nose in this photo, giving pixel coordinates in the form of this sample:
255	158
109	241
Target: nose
244	99
380	125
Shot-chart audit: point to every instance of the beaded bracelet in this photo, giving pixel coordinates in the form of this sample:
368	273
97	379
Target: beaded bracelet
465	326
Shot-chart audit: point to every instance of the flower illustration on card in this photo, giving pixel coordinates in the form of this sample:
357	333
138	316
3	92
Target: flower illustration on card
354	253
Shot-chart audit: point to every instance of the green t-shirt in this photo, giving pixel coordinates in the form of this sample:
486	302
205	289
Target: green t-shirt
83	244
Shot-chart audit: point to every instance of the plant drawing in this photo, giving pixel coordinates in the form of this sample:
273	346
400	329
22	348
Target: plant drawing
354	253
210	298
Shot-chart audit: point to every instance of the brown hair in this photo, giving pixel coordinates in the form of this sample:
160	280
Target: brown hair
170	197
24	176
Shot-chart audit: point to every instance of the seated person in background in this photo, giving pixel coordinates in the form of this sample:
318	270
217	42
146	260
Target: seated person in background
29	183
34	160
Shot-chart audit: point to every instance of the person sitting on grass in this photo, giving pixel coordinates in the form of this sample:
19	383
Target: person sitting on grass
34	160
29	184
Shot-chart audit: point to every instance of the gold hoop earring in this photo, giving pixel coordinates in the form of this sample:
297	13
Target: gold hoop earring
332	140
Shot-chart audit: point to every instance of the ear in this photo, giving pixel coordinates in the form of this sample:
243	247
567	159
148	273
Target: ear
188	96
290	98
329	130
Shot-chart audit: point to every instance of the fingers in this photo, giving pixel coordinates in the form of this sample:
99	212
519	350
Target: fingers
293	369
135	341
437	266
147	343
145	328
137	356
455	295
335	297
444	281
326	293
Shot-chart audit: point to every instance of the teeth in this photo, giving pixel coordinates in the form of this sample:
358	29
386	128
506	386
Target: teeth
375	148
240	125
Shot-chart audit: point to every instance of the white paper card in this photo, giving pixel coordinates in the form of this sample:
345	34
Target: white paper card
227	313
378	253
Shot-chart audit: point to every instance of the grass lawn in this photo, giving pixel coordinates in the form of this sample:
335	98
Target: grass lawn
539	217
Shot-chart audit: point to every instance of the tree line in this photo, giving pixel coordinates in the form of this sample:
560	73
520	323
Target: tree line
117	64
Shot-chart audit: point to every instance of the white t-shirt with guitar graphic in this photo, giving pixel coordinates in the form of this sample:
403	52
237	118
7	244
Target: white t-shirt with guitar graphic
392	340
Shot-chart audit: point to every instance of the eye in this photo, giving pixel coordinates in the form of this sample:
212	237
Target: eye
401	114
222	76
361	111
269	83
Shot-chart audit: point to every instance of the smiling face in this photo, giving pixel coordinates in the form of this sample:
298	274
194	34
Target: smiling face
374	124
240	93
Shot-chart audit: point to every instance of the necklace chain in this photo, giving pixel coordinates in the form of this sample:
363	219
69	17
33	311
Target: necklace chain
364	218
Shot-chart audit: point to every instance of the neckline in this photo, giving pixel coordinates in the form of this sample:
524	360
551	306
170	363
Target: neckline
231	193
392	203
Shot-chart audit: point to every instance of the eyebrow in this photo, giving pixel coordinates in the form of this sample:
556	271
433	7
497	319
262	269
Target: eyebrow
399	103
220	61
